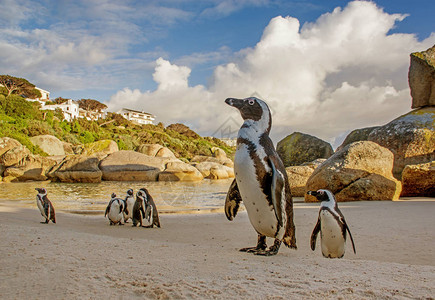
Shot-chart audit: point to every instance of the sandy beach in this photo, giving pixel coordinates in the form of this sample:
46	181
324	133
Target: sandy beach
195	256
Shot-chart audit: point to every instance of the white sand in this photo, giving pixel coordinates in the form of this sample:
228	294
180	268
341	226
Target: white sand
196	256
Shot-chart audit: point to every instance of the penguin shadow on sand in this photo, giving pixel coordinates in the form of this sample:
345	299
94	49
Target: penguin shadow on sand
331	225
142	210
45	206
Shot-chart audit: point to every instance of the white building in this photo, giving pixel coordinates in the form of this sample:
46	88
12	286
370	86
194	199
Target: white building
45	95
69	108
136	116
91	115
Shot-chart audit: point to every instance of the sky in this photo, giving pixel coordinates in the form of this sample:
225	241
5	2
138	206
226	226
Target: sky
324	67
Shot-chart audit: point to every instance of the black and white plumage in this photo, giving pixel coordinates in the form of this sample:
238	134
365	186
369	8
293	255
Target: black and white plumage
114	210
129	203
260	180
145	209
45	206
331	225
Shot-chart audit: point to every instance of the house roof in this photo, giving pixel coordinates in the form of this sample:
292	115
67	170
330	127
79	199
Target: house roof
136	111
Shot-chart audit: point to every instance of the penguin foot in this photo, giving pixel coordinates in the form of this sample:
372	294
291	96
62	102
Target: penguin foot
43	222
273	250
261	245
120	224
251	249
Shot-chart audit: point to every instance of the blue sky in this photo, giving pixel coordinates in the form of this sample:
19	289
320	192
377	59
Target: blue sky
324	67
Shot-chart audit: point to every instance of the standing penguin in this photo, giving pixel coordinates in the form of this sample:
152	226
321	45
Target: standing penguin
145	208
332	226
114	210
45	206
261	180
129	203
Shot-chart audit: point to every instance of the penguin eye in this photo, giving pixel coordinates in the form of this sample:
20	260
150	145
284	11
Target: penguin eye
251	101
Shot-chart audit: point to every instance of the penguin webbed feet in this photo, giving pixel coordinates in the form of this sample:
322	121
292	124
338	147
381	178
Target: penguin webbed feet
273	250
261	246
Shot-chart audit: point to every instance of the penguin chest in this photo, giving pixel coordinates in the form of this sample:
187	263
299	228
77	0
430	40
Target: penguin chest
332	240
40	205
115	213
261	214
130	204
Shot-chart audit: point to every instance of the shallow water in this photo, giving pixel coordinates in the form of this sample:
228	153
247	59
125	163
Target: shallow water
88	198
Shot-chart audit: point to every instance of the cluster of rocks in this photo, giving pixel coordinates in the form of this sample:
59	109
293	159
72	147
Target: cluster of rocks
375	163
102	160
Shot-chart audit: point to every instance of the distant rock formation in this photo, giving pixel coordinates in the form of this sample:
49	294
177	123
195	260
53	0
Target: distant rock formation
356	136
299	175
180	171
421	78
410	137
360	171
183	129
298	148
155	150
127	165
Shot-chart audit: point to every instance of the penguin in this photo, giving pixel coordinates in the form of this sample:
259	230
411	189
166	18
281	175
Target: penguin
45	206
331	225
129	203
115	209
260	180
145	209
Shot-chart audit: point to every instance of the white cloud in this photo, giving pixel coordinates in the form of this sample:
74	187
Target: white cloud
342	72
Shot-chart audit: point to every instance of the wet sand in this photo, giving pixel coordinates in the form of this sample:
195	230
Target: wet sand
196	256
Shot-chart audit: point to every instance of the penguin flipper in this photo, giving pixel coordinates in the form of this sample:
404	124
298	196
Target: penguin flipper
232	201
316	231
351	238
107	209
277	188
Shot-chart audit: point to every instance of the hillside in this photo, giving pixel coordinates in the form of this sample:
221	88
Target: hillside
20	119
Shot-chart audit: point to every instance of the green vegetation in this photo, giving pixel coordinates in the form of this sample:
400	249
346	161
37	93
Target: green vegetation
21	119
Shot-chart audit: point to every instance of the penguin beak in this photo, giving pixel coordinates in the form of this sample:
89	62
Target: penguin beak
312	193
237	103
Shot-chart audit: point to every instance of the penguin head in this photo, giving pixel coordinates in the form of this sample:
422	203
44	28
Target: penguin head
253	109
113	195
130	192
42	191
322	195
142	195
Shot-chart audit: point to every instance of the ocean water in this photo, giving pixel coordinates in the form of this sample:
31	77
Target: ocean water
92	198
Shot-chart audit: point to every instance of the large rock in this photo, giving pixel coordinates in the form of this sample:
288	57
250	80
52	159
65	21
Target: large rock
419	180
298	148
149	149
31	168
421	78
223	161
213	170
218	153
360	171
14	155
298	176
100	148
180	171
155	150
129	165
356	136
77	168
49	144
410	137
7	143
